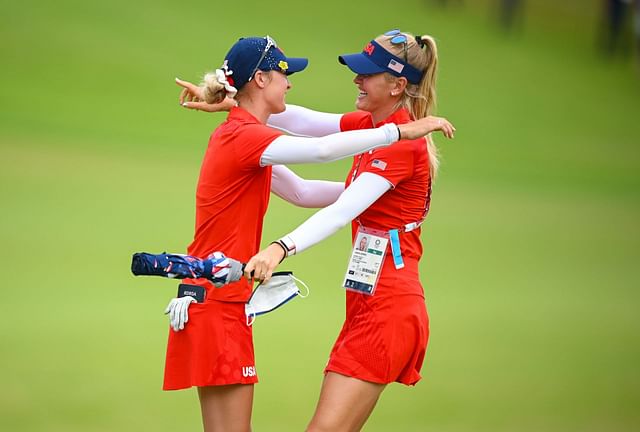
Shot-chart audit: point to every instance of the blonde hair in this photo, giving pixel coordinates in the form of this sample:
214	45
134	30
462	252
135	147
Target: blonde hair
216	86
419	99
214	91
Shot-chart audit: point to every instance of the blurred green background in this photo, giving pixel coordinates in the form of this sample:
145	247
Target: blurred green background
531	247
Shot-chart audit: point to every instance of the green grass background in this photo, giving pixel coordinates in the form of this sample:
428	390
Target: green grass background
531	247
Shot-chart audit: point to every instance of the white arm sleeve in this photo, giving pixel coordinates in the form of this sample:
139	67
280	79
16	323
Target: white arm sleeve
297	120
364	191
304	193
291	150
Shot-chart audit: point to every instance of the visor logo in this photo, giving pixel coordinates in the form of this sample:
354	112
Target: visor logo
369	49
395	66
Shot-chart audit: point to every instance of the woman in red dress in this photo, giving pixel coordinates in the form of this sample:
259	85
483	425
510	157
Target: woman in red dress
242	164
386	198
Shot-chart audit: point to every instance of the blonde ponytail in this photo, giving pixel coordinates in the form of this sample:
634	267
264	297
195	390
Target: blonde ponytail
217	86
423	103
214	91
419	99
425	106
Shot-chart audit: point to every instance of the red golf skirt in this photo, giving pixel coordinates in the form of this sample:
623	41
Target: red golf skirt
215	348
384	336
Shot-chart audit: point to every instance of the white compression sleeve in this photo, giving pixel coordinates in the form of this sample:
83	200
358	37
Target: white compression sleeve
364	191
297	120
290	150
304	193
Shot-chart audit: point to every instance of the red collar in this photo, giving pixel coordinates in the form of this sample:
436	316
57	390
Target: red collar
399	116
237	113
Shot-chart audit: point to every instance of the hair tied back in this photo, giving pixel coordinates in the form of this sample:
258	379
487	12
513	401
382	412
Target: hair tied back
223	78
420	42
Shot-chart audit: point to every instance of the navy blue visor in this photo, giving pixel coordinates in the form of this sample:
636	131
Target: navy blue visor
375	59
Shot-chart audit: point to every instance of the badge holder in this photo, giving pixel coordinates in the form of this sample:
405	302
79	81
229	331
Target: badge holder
367	257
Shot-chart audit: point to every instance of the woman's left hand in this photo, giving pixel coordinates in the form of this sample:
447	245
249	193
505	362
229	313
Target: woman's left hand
261	266
421	127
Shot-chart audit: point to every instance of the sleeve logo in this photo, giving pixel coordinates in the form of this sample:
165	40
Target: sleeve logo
377	163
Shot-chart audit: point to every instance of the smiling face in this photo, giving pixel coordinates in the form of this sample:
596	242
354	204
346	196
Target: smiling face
377	94
275	92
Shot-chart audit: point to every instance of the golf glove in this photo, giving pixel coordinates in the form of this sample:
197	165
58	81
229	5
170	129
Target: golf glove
178	310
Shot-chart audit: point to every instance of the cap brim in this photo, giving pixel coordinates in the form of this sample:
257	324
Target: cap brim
296	64
360	64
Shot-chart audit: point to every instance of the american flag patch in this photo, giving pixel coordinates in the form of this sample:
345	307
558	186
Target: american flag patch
395	66
377	163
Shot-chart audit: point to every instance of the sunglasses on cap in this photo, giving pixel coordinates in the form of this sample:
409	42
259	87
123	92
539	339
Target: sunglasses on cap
398	38
270	44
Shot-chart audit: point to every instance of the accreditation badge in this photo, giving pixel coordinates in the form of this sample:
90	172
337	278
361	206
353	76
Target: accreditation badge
366	260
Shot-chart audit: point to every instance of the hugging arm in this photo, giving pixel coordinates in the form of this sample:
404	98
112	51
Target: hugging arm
290	150
294	150
301	121
304	193
364	191
295	120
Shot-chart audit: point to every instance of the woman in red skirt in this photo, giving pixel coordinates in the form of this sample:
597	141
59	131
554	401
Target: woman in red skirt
214	350
386	199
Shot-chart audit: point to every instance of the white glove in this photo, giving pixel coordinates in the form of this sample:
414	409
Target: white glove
178	310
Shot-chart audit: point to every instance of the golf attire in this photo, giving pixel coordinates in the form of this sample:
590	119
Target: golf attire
384	337
232	196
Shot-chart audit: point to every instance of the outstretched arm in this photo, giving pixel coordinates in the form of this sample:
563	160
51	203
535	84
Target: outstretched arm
319	124
304	193
288	149
301	121
295	120
291	150
364	191
294	150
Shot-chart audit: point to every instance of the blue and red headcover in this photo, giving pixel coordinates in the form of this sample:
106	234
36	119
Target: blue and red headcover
219	269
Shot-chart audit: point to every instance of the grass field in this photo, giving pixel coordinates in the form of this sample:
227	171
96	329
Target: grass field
531	247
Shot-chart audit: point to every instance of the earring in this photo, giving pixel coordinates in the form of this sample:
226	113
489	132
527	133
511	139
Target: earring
393	93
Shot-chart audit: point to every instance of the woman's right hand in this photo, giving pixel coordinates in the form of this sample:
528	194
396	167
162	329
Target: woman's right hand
261	266
424	126
192	97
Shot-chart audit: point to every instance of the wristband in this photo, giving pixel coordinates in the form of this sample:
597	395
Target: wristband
399	134
284	249
288	245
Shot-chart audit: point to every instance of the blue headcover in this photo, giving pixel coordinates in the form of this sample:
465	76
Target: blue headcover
215	268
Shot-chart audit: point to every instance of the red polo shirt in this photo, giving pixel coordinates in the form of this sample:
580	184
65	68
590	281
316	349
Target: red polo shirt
232	197
405	164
